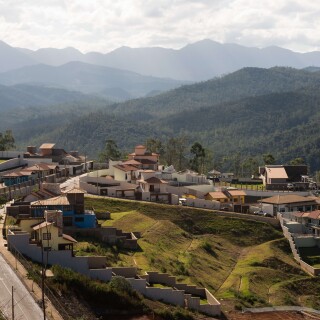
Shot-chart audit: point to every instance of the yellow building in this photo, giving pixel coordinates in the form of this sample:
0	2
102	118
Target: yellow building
51	237
237	196
217	196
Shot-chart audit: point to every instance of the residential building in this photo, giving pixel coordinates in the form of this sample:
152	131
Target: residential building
277	177
147	160
290	203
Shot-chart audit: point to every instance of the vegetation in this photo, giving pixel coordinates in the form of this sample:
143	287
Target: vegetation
6	140
236	119
242	262
311	256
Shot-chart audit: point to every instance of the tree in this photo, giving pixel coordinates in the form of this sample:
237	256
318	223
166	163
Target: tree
297	161
110	152
268	158
6	141
199	154
155	145
175	149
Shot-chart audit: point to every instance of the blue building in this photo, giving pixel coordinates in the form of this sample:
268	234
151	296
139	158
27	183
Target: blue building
71	203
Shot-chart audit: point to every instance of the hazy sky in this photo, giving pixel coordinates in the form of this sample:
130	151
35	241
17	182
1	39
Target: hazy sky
103	25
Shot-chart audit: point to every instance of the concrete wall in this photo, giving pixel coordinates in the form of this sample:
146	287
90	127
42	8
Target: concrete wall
304	242
201	203
294	227
93	268
127	272
11	154
96	262
294	247
167	295
11	164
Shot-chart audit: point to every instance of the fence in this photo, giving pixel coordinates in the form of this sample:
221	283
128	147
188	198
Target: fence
36	277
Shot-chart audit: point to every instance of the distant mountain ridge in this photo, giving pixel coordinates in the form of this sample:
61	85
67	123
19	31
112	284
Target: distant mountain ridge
89	79
198	61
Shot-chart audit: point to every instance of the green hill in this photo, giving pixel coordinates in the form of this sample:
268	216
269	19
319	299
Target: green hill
241	261
249	112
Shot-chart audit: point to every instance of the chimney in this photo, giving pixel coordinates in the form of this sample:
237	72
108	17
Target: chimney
56	217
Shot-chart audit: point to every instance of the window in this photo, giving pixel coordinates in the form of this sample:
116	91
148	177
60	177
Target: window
46	236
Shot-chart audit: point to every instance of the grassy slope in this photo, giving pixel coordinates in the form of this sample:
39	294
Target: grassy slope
240	261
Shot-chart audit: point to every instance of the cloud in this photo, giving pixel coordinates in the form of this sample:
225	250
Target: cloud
103	25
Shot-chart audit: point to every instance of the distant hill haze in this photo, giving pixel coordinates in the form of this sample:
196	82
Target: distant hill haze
111	83
199	61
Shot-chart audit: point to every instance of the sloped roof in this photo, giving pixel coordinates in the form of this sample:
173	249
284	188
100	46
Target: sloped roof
310	214
75	190
288	198
217	195
42	225
277	173
126	168
17	174
42	166
153	180
237	192
47	146
68	238
132	162
60	200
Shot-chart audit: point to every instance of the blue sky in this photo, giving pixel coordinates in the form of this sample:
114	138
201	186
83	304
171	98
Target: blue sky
103	25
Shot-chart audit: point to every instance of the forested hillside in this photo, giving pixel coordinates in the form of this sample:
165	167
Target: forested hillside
240	116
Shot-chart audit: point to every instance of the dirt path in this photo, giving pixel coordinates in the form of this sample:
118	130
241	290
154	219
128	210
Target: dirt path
241	254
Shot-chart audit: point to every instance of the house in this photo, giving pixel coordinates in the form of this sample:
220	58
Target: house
50	233
236	196
310	219
277	177
126	172
217	196
152	188
290	203
71	203
18	176
147	160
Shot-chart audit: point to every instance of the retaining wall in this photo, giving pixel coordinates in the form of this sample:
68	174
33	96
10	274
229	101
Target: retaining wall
294	247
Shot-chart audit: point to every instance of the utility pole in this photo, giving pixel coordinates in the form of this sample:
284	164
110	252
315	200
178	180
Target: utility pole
42	283
12	304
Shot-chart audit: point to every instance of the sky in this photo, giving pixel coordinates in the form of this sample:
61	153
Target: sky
104	25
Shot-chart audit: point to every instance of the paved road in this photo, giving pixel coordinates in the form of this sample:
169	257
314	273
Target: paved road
25	307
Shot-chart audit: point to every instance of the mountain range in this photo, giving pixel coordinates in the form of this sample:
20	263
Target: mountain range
199	61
